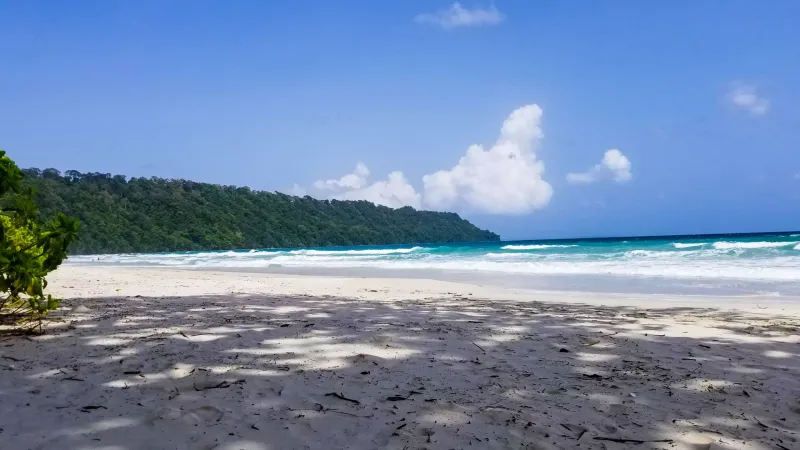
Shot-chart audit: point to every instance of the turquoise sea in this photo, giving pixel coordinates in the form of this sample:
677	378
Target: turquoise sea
763	263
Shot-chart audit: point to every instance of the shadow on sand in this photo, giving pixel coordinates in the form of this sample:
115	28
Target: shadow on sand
249	372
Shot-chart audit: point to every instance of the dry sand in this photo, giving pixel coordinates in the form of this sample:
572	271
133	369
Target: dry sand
170	359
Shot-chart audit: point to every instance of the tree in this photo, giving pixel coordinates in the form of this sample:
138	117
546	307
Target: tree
29	250
125	215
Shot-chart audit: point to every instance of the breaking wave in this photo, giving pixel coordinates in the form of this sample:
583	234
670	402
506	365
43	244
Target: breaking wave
760	258
356	252
533	247
682	245
750	245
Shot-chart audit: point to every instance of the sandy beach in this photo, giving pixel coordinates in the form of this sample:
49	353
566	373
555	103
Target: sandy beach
176	359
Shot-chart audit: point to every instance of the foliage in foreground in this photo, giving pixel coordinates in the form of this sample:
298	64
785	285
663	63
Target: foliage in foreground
29	250
120	215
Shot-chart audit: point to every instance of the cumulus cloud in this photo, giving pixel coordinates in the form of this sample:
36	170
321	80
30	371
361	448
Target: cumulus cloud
613	166
504	179
745	96
394	192
458	16
355	180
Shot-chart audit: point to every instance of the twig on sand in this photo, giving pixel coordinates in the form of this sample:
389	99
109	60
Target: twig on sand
342	397
88	408
398	398
318	407
348	414
72	379
595	376
476	345
761	424
630	441
220	385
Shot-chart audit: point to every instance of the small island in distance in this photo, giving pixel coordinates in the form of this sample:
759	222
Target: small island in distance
121	215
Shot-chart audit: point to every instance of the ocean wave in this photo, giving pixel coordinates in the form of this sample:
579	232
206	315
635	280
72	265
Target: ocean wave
388	251
777	261
533	247
682	245
645	253
724	245
660	254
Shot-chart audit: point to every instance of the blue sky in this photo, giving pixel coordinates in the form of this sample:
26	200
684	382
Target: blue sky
701	100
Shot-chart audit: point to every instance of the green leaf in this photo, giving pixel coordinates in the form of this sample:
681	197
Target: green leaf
29	250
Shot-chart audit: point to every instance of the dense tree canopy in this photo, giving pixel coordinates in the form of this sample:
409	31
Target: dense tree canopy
150	215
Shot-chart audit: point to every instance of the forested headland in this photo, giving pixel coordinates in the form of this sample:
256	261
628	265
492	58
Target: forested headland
121	215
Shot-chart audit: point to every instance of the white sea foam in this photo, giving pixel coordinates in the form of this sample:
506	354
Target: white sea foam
517	256
682	245
533	247
640	253
388	251
723	245
779	271
755	261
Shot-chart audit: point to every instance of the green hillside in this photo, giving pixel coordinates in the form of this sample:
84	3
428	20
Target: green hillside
152	215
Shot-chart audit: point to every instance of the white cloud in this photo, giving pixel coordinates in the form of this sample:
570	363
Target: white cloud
394	192
745	96
355	180
505	179
458	16
614	165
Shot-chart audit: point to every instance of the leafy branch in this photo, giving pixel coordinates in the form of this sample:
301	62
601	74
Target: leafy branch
29	250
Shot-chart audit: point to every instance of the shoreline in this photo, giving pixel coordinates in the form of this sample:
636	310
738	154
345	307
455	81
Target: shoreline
471	281
188	359
610	285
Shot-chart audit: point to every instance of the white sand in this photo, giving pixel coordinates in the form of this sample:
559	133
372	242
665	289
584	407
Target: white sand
169	359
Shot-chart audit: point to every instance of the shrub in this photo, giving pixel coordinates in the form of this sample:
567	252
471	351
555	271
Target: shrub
29	250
